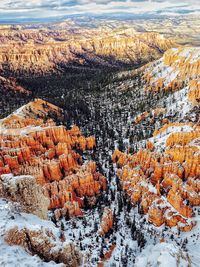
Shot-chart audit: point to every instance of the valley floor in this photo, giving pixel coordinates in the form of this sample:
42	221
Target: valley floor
109	113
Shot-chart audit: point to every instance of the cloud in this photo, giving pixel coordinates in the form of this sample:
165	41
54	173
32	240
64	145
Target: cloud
19	9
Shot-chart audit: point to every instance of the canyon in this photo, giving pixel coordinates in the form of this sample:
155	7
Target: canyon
33	145
41	51
99	174
41	169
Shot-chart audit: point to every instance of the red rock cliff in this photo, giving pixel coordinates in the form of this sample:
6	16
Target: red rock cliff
160	181
34	146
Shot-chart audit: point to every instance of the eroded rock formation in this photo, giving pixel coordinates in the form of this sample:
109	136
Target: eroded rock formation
45	244
165	184
194	92
33	145
24	190
106	221
43	50
11	85
177	69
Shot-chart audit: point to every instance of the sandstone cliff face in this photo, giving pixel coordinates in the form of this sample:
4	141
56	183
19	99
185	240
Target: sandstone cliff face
39	238
25	191
106	221
160	181
11	85
166	173
33	145
177	69
45	244
194	92
44	51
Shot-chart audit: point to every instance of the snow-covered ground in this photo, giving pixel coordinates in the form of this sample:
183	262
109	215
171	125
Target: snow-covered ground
168	253
162	254
15	256
160	246
161	71
168	73
176	105
134	242
160	139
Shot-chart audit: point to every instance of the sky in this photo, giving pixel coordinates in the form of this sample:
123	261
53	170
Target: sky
46	9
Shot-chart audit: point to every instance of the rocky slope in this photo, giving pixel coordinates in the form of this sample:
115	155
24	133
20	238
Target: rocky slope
41	169
43	50
32	144
27	240
11	85
157	180
177	68
163	178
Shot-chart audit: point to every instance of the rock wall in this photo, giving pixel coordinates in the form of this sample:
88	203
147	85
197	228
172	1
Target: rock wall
106	221
160	181
194	92
43	242
24	190
177	69
33	145
41	51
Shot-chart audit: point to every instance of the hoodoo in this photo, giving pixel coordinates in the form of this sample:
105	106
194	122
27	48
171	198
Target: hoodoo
33	145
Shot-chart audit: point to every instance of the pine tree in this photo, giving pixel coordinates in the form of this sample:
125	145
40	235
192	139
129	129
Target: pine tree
62	226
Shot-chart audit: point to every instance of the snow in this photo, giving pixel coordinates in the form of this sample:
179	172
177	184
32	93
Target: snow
193	237
178	102
15	256
152	189
161	71
162	255
154	253
24	131
160	140
19	111
167	73
191	53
